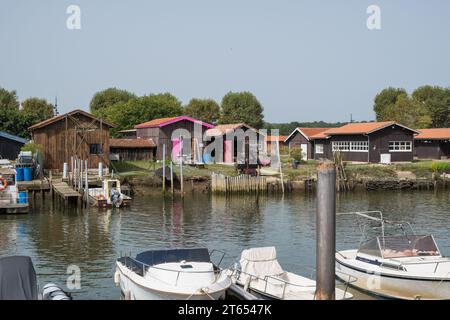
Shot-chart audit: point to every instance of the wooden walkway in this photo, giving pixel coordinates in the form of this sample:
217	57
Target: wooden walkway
63	190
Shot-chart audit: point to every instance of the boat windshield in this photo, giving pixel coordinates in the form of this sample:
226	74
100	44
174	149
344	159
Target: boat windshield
401	246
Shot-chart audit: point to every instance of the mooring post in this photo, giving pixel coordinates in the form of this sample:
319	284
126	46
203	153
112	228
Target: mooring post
171	176
164	169
326	231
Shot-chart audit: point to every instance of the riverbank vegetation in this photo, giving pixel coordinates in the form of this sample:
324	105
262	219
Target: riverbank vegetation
414	170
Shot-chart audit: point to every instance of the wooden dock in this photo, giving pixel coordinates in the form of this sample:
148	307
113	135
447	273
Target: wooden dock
65	192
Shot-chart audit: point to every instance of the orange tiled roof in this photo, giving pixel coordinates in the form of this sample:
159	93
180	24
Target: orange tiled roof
132	143
359	128
276	138
321	135
307	132
433	134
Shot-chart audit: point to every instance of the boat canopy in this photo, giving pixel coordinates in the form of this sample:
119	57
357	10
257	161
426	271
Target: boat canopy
261	262
17	279
400	246
154	257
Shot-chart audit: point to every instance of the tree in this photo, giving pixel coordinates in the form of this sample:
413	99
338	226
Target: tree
34	110
436	101
242	107
107	98
385	99
125	115
10	120
408	112
206	110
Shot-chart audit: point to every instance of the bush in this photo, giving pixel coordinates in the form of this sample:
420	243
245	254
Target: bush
33	147
440	167
296	154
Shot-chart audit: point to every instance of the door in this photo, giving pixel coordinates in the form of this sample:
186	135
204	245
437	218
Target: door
385	158
304	149
176	150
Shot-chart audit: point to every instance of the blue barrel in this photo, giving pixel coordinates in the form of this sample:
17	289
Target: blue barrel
27	174
23	197
19	174
206	158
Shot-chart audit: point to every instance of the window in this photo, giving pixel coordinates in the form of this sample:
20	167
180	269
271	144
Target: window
95	148
400	146
319	148
352	146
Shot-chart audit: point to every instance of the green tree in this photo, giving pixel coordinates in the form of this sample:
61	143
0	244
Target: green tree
10	120
436	101
408	112
386	99
34	110
108	97
242	107
206	110
125	115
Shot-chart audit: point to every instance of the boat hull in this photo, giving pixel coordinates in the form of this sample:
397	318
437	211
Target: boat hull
131	289
393	286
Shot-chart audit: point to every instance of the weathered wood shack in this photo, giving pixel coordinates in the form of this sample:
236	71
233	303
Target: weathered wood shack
77	133
432	143
301	138
132	149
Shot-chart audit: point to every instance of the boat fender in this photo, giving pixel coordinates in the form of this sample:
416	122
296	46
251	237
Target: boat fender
52	292
3	184
247	283
117	277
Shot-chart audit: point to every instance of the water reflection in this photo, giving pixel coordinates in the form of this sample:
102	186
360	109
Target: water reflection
92	239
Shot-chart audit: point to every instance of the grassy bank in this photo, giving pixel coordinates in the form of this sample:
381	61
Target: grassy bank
413	170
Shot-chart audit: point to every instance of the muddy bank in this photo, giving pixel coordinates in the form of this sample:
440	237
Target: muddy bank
151	184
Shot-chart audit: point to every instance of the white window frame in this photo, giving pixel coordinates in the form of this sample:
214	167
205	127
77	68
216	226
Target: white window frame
319	148
350	146
400	146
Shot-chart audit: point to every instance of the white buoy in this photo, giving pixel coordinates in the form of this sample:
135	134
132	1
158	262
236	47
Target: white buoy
65	170
100	169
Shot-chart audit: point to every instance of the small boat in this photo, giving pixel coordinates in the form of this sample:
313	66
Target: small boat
402	265
18	282
12	201
260	274
171	275
109	195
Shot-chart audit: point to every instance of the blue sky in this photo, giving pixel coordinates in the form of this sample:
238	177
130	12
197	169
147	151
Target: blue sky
304	60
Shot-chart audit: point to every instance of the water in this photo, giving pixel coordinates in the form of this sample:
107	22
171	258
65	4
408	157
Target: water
93	239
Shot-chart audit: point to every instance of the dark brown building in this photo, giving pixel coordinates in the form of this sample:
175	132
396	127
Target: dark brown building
164	132
374	142
301	138
132	149
77	133
432	144
10	145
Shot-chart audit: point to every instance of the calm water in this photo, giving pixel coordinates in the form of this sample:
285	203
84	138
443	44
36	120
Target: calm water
93	239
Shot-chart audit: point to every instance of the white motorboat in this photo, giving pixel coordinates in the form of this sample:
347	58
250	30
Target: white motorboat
260	274
402	266
175	274
109	195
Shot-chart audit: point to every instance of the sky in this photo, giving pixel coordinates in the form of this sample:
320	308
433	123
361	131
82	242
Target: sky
304	60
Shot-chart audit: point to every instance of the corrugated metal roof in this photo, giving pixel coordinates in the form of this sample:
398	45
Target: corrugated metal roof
132	143
161	122
9	136
62	116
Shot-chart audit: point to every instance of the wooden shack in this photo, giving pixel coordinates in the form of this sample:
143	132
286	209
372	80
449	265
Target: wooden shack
162	132
77	133
432	144
132	149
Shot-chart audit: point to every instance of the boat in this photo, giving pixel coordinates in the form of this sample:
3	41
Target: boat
259	273
171	275
109	195
12	201
398	263
18	281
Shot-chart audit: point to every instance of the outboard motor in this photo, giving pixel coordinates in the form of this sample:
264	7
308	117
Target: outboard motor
53	292
116	197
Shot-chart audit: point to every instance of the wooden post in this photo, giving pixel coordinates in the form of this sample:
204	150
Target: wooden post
86	190
164	169
181	168
279	161
171	176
